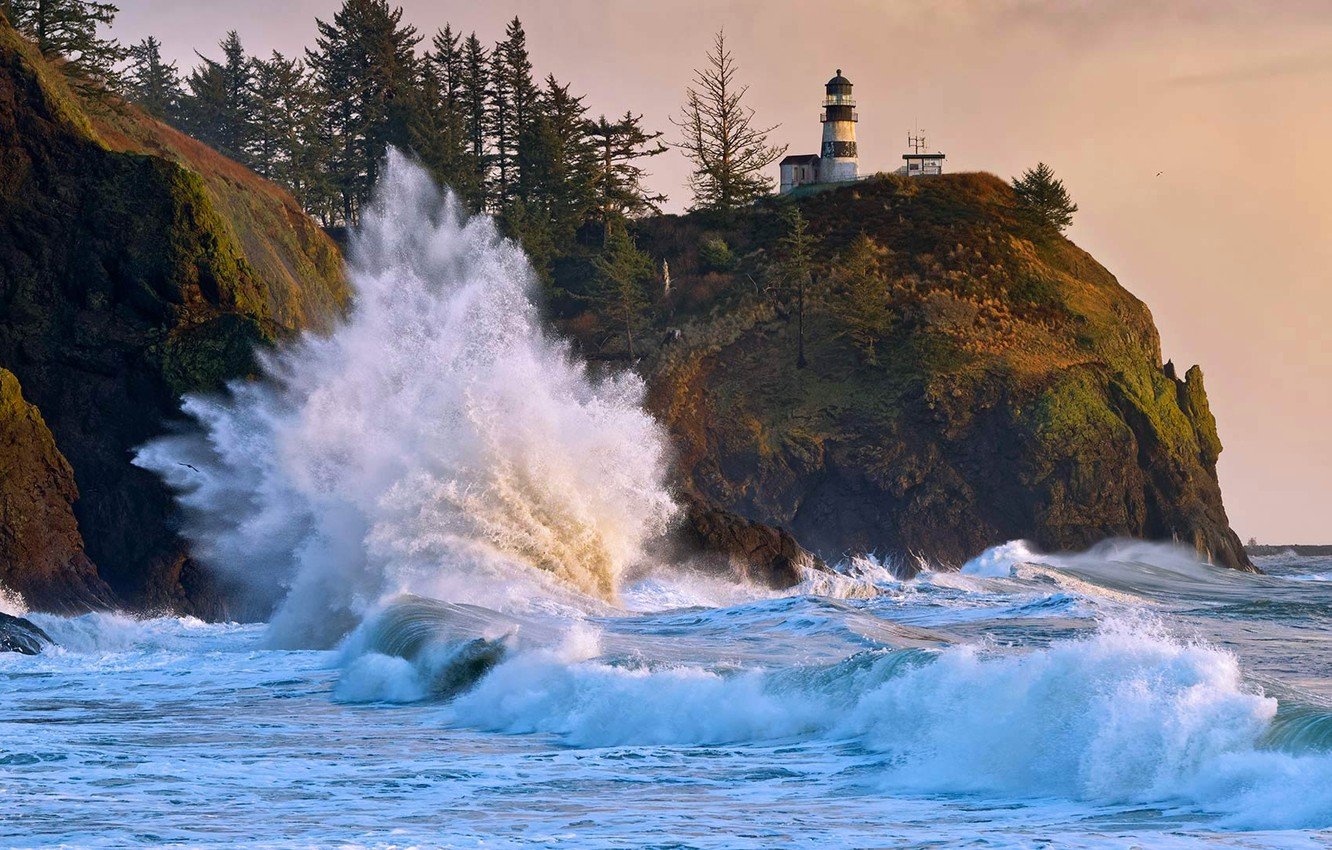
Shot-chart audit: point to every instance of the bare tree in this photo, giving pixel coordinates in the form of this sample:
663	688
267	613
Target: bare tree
718	135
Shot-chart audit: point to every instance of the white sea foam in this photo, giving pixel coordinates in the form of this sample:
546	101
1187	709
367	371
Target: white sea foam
436	441
12	603
1326	577
1126	716
1000	561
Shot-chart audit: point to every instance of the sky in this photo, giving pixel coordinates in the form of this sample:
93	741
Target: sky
1230	245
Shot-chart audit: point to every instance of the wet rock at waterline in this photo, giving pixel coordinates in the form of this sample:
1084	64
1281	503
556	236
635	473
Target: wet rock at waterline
22	636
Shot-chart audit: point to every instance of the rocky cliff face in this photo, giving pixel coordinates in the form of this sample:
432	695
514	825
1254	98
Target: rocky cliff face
41	552
135	265
1019	392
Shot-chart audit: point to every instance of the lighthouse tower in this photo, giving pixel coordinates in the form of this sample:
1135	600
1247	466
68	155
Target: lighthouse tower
837	160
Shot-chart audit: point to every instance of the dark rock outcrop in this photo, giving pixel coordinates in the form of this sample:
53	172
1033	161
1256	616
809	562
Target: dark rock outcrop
21	635
136	265
1019	392
743	549
41	552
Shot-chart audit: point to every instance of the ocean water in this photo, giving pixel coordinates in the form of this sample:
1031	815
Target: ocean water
1122	698
471	643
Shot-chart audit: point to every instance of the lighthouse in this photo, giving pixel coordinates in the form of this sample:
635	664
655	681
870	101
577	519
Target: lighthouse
836	162
837	159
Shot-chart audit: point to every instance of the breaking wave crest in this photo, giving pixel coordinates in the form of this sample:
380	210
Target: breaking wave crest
435	441
1127	715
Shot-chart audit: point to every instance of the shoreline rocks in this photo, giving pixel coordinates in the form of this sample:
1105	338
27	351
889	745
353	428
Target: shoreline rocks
18	634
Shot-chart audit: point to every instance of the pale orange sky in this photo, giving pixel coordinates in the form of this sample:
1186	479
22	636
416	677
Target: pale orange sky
1229	246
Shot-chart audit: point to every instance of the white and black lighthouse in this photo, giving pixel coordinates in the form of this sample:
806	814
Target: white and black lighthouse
836	161
837	157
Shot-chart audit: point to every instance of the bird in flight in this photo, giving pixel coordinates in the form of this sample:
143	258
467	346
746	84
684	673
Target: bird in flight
1159	173
188	466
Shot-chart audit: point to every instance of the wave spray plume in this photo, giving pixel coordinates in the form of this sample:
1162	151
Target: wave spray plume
436	441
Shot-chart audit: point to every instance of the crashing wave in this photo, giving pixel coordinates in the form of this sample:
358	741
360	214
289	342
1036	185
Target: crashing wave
436	441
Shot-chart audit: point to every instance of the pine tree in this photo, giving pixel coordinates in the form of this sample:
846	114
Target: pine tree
448	60
558	168
860	300
284	142
558	160
221	102
513	100
439	132
69	29
365	66
152	83
527	225
622	271
474	97
1043	196
203	110
617	177
795	273
728	152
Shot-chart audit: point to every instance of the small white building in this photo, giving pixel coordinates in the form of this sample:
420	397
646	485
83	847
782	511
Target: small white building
799	170
920	162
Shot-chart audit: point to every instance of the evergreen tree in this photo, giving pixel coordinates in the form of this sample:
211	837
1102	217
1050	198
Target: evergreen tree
527	225
69	29
439	132
795	272
728	152
622	271
558	167
204	108
513	101
448	61
860	299
617	177
474	98
558	161
221	101
1043	196
365	66
284	142
152	83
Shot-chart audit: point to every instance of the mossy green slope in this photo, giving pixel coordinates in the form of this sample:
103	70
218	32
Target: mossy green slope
136	265
1020	392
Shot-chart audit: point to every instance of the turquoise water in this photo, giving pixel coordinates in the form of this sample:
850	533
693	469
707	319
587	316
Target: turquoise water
1126	697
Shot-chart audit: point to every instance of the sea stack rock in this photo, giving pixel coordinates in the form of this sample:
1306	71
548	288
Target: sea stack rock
745	550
